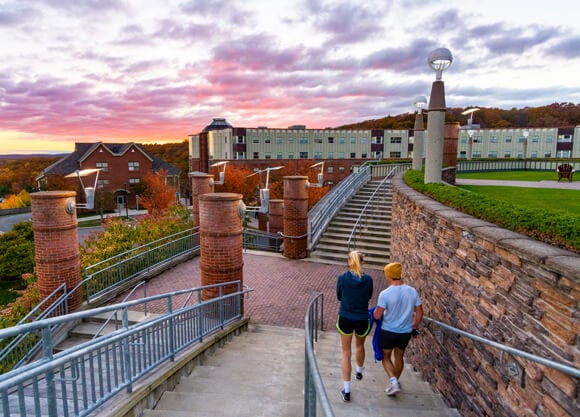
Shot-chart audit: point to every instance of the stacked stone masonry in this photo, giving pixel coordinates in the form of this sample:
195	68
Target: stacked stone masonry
499	285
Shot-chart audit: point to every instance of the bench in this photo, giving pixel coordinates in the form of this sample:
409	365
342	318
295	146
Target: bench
565	171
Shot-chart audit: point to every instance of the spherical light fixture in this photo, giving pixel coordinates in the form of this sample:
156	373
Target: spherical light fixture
420	103
439	60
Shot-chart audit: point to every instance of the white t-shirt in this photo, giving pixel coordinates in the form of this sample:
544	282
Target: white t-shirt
399	302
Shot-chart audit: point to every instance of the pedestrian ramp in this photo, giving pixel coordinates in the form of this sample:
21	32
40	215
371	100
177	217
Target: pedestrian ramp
261	373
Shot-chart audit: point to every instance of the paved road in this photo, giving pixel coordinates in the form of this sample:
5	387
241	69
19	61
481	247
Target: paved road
6	222
564	185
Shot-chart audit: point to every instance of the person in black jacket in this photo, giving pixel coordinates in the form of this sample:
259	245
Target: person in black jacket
354	290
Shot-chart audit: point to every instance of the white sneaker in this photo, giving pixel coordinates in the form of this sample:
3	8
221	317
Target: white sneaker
393	389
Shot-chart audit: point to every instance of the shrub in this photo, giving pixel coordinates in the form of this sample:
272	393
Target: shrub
559	229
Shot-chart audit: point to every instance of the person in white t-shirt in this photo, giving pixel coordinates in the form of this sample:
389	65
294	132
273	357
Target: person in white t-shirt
401	311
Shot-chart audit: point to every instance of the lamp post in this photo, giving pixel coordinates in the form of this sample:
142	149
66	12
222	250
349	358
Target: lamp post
439	60
126	201
419	103
470	133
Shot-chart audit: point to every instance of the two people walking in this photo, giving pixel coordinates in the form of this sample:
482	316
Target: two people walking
399	310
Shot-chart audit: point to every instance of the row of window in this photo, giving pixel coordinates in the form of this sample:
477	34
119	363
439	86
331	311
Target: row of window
316	155
521	139
132	166
304	141
508	154
132	181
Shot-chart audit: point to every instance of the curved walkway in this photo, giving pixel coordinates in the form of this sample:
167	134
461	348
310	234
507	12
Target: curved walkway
564	184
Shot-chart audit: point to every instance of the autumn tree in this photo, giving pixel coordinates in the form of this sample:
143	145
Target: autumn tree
158	196
238	180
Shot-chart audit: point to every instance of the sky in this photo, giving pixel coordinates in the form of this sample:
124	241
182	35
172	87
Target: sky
157	71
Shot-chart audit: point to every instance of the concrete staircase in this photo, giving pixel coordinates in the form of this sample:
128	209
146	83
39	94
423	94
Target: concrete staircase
261	373
375	233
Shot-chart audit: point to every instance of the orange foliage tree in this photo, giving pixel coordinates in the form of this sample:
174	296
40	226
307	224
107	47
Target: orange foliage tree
297	167
238	180
158	196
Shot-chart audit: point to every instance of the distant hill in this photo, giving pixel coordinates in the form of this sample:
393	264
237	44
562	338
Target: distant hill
554	115
32	156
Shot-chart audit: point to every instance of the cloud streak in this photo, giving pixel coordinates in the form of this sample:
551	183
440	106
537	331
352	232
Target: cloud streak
134	71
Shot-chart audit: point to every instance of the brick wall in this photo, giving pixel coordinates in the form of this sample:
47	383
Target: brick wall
499	285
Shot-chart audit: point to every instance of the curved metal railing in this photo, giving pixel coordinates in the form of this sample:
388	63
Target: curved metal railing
313	384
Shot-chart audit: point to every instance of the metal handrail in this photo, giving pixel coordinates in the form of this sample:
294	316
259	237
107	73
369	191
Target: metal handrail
114	314
322	213
364	212
313	384
570	370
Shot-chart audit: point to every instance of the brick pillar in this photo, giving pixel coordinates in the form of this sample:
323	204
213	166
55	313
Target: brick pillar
295	217
221	241
450	139
276	213
262	222
200	184
56	243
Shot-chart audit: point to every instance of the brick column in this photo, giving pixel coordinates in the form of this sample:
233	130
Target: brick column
221	241
276	213
56	243
295	217
200	184
450	139
262	222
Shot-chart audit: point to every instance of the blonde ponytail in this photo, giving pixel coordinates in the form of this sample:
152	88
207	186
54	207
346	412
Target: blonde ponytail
355	260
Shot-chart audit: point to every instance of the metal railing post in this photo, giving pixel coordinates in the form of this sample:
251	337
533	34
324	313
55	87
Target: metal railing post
47	350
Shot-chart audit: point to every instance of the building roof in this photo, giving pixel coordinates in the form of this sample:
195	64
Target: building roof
72	162
217	124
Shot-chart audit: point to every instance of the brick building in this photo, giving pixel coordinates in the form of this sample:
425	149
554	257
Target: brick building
122	165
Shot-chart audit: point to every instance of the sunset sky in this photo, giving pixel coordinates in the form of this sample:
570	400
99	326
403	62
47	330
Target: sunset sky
156	71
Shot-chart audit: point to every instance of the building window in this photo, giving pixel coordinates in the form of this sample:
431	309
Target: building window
303	141
341	155
462	154
303	155
317	155
535	139
493	139
563	154
102	165
521	139
508	139
101	183
279	141
290	155
507	154
134	180
329	182
330	170
378	139
476	154
477	139
341	170
364	141
548	155
520	155
330	155
395	154
267	155
133	166
290	141
363	155
534	154
330	140
267	140
240	155
396	139
256	155
353	154
279	155
240	140
565	139
353	140
492	154
317	140
549	139
255	140
341	141
463	140
378	155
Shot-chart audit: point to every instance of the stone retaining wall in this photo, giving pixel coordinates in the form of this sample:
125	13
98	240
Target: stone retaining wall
497	284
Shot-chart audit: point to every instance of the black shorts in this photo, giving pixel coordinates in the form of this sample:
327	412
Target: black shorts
347	327
390	340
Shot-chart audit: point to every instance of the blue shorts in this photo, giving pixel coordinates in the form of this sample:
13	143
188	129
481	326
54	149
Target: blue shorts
347	327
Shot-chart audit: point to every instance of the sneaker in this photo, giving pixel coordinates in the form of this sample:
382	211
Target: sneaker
359	376
393	389
345	396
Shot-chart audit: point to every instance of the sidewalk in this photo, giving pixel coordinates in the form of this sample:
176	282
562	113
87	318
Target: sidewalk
563	185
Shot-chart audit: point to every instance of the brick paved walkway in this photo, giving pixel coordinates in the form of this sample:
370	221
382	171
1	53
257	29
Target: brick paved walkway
282	287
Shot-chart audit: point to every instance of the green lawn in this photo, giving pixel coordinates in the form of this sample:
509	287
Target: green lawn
542	198
516	176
